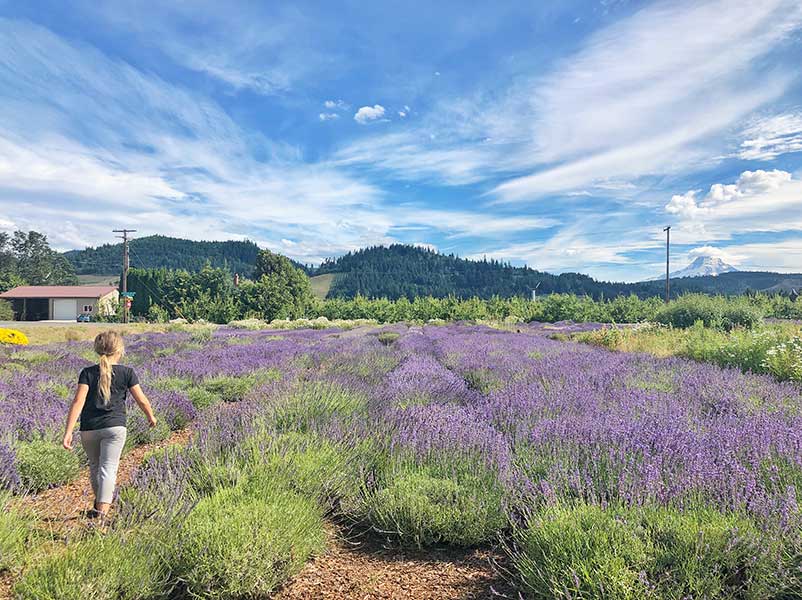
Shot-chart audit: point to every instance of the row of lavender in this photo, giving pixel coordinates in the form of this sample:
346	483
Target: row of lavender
37	383
603	474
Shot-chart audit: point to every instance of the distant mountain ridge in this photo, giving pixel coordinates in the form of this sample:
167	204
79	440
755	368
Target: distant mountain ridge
410	271
163	252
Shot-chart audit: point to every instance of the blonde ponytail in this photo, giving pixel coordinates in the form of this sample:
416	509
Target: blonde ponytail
107	344
104	383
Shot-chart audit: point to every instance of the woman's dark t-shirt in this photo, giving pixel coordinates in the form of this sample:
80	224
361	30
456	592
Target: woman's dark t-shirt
96	415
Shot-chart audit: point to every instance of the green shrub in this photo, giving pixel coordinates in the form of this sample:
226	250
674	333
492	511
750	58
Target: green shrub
687	310
34	357
157	314
716	312
582	552
201	333
706	554
101	567
425	508
483	380
213	474
307	463
172	384
6	311
233	388
15	534
236	545
388	337
314	404
202	398
586	551
740	314
41	464
784	360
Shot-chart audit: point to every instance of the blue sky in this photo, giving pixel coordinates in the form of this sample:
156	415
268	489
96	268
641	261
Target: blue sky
564	135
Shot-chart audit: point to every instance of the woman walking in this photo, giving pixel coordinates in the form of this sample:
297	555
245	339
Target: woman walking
100	403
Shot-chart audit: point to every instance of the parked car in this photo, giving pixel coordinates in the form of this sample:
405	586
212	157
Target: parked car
84	318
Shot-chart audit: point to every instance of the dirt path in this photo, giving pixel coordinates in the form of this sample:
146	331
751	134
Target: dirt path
62	508
366	569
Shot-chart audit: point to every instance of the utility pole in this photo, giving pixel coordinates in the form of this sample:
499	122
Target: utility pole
667	229
124	282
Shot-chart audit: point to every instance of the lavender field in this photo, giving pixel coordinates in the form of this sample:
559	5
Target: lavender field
600	474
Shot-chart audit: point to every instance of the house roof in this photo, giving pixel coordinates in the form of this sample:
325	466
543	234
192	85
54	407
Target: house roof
58	291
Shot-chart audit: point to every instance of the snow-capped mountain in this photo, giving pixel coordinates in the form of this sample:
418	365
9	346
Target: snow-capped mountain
703	266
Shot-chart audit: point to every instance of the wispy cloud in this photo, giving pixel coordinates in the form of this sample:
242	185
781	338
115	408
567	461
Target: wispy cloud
650	95
261	47
645	95
88	143
767	138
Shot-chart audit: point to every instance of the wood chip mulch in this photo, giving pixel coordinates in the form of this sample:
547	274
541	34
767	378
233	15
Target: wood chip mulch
367	569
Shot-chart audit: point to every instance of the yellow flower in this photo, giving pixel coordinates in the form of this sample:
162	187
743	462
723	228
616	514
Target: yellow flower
12	336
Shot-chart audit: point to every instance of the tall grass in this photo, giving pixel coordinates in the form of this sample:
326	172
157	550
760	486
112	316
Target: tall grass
774	349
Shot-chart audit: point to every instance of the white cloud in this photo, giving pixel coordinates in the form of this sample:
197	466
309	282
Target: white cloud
759	201
769	137
751	184
328	116
369	113
711	251
573	248
336	104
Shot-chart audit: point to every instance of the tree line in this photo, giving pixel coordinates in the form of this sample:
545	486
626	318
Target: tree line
279	290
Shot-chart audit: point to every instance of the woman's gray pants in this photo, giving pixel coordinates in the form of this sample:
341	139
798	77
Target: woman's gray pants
103	448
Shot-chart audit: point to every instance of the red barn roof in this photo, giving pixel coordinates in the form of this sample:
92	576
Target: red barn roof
59	291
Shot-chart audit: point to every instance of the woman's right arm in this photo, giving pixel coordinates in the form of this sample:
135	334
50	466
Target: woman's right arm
143	402
75	411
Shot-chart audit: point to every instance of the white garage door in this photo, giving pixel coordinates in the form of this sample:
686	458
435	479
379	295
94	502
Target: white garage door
64	310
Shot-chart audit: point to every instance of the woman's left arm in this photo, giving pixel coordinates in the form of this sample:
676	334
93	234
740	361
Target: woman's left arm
72	416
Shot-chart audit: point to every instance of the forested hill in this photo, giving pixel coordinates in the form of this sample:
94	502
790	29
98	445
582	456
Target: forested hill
411	271
158	251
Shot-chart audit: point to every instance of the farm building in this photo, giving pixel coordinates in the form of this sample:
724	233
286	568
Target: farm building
61	302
